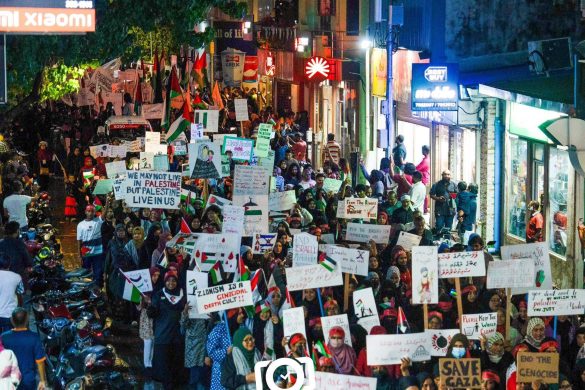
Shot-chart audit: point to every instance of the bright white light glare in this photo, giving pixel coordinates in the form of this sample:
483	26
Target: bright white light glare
365	43
300	48
247	24
304	41
245	30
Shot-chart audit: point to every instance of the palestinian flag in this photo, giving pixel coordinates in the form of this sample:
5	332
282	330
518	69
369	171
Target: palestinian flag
179	126
215	272
163	261
327	262
258	284
386	305
185	226
243	273
130	293
322	349
401	323
156	79
97	203
175	93
272	287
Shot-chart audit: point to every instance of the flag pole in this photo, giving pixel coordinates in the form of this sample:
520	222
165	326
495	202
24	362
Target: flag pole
320	302
129	281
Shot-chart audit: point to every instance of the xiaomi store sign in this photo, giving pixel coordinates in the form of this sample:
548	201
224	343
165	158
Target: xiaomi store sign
46	20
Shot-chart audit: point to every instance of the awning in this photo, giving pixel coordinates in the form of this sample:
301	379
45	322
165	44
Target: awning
570	133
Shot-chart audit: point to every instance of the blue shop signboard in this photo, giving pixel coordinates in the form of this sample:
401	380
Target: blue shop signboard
435	87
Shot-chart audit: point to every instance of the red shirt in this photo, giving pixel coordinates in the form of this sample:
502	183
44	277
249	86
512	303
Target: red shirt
536	223
424	167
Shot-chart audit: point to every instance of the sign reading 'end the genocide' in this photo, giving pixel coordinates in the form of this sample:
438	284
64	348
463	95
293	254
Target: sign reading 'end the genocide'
538	366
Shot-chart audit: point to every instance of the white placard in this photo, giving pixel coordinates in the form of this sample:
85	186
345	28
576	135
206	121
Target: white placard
362	232
545	303
282	201
390	349
425	275
339	320
115	168
218	201
196	132
146	161
159	190
195	281
293	321
209	248
440	339
332	185
461	264
119	188
241	106
204	160
305	250
365	308
263	242
151	137
408	240
350	208
538	252
249	180
233	219
329	381
209	119
224	297
510	274
140	279
312	276
351	261
118	151
475	325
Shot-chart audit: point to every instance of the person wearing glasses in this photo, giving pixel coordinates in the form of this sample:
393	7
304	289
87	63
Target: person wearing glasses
237	371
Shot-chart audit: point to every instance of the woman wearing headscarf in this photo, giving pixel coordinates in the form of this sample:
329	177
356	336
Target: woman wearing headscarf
44	160
145	324
237	371
117	260
342	354
134	245
399	258
158	253
268	333
218	345
534	334
494	357
311	303
150	244
165	310
578	342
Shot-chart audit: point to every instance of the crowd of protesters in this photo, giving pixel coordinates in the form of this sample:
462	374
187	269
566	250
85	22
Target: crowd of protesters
212	354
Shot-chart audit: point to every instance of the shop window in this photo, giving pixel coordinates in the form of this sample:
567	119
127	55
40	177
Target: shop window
517	180
468	169
559	168
415	137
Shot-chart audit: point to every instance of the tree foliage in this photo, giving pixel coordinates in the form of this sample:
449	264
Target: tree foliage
124	28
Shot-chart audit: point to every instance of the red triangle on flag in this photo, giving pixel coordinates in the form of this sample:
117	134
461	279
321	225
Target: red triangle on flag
185	227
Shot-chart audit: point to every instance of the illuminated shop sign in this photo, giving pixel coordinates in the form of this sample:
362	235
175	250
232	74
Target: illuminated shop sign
317	69
435	87
47	20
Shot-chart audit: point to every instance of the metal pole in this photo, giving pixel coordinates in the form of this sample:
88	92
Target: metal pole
389	88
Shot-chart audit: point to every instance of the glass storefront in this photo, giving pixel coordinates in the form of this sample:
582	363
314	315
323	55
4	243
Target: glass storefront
559	168
517	180
415	137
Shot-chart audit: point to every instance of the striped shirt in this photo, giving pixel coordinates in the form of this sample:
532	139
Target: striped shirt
331	152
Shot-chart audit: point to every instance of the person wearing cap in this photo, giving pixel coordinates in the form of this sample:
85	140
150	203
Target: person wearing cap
403	215
28	349
443	193
89	239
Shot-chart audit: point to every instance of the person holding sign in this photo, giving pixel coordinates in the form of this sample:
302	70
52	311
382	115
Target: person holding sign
494	357
237	371
342	354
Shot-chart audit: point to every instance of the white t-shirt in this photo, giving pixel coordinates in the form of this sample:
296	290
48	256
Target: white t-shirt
418	192
10	286
16	204
90	235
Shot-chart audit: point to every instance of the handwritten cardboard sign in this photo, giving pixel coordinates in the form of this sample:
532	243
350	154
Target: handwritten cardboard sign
362	232
475	325
115	168
224	297
332	185
293	321
390	349
233	219
282	201
209	119
408	240
351	208
351	261
263	139
305	249
440	339
159	190
460	373
263	242
533	366
461	264
195	281
365	308
248	181
510	273
241	148
329	381
241	106
312	276
210	248
556	302
538	252
425	280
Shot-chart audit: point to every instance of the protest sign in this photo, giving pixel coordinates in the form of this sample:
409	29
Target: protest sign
460	373
151	137
233	219
241	148
140	279
217	201
408	240
475	325
209	119
362	232
115	168
195	281
305	249
209	248
152	111
241	106
425	286
146	161
196	132
440	339
556	302
161	162
255	215
99	151
157	149
184	240
390	349
331	321
263	139
329	381
332	185
224	297
312	276
249	180
119	188
350	208
263	242
118	151
537	366
538	252
461	264
103	186
160	190
204	160
510	273
282	201
267	162
351	261
293	321
365	309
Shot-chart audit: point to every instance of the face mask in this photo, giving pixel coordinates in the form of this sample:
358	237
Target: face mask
336	343
458	352
300	351
495	358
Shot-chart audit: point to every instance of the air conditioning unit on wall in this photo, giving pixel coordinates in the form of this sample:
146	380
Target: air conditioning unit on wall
550	54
